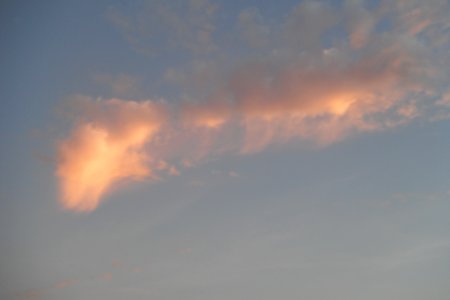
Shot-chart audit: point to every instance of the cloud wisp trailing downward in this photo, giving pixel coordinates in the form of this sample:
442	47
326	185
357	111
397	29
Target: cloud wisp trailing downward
100	152
370	79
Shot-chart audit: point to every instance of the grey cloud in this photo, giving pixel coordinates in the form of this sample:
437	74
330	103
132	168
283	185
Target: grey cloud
156	26
252	28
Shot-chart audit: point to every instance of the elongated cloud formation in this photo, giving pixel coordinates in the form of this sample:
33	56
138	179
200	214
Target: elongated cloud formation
371	80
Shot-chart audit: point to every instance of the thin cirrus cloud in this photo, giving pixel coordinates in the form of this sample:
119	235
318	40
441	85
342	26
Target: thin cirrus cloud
370	79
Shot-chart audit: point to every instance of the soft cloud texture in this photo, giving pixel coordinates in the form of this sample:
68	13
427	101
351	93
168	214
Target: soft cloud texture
105	147
160	26
387	67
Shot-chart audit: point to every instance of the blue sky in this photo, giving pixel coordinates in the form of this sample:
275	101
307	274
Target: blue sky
220	149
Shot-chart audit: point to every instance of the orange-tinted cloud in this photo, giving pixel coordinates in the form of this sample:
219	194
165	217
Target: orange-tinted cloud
127	139
373	79
267	107
104	148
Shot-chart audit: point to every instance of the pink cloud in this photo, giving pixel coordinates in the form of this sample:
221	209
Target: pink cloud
368	81
104	148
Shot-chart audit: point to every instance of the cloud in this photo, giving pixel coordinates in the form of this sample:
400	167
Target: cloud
122	85
360	23
233	174
252	28
174	171
43	292
427	250
383	67
159	26
105	147
39	293
106	276
305	24
445	100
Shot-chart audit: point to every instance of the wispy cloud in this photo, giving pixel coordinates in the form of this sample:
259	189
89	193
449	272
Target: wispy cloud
415	254
158	26
39	293
233	174
121	85
104	148
43	292
301	84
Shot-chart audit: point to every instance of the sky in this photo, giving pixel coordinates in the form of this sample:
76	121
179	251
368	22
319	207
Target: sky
206	149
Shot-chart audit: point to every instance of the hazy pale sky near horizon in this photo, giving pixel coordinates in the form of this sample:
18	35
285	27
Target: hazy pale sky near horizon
206	149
